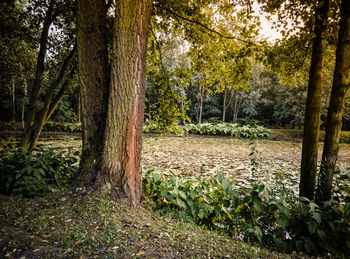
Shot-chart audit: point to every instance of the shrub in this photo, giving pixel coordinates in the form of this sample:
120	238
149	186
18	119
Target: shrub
229	129
153	127
28	175
294	225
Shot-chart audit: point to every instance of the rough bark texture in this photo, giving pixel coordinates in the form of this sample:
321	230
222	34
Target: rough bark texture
94	83
121	157
341	82
313	104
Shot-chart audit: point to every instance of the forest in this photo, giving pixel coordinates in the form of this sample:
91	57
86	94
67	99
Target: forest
166	129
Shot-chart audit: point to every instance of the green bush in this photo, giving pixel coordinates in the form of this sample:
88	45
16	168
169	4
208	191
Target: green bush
153	127
229	129
28	175
296	224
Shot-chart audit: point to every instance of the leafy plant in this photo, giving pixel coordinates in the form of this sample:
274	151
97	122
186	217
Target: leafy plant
229	129
45	171
293	224
72	127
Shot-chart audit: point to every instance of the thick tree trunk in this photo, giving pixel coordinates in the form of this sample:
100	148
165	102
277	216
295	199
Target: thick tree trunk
121	157
341	83
313	104
94	73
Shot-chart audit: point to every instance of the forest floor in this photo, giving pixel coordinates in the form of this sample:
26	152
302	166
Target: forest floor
205	155
79	224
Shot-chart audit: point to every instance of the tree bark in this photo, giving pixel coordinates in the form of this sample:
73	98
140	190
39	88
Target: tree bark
113	97
121	157
341	83
313	104
94	84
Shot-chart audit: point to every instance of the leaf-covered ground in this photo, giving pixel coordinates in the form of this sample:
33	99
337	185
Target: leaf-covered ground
79	224
194	155
275	160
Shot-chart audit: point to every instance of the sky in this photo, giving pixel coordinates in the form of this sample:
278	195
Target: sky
266	25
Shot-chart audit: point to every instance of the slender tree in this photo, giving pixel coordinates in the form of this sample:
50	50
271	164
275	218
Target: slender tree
341	84
313	103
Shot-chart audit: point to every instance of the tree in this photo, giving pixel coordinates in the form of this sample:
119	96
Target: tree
313	103
113	103
17	55
341	84
35	118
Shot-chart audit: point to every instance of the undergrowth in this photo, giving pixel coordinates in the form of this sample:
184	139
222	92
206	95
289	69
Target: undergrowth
282	223
35	174
229	129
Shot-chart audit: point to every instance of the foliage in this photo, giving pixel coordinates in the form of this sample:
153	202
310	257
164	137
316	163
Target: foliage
152	127
72	127
45	171
168	108
229	129
298	225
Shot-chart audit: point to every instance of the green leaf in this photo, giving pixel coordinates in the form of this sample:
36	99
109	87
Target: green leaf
321	234
258	233
312	227
225	184
283	221
316	216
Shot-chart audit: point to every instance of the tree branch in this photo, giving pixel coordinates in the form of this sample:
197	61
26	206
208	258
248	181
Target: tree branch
200	24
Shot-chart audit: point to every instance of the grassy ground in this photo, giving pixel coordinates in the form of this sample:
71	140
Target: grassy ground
79	224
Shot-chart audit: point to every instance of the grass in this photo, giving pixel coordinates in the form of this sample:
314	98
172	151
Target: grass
79	223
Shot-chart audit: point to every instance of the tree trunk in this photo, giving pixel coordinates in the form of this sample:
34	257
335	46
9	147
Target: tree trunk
341	83
33	132
113	102
38	78
313	104
13	100
201	100
79	108
236	106
121	157
24	88
33	99
94	84
224	105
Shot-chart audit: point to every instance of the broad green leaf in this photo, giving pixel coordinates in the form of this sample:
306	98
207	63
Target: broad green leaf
312	227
